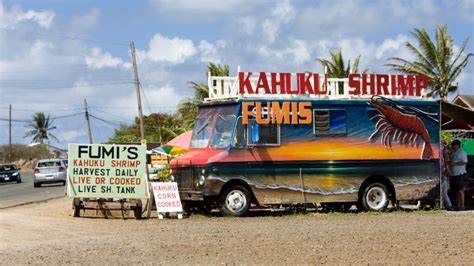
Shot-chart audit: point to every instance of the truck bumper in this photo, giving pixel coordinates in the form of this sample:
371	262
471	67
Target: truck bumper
191	195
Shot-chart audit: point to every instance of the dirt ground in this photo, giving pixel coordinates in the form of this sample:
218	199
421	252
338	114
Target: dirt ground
46	233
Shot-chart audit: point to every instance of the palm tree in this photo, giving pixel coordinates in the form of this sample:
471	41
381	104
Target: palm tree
437	62
336	66
187	109
201	90
41	127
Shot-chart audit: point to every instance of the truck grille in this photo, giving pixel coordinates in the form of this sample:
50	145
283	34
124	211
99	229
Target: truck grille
184	177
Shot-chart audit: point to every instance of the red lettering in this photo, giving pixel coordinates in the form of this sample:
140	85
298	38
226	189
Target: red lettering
405	86
354	84
304	83
279	83
244	83
382	84
366	83
421	83
262	83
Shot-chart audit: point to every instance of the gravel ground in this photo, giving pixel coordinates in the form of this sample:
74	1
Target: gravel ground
46	233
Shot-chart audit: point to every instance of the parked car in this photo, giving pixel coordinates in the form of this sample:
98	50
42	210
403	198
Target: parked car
50	171
9	173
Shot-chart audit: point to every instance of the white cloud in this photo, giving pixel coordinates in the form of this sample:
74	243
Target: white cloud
70	135
282	13
16	15
163	49
97	60
86	21
205	9
210	52
246	25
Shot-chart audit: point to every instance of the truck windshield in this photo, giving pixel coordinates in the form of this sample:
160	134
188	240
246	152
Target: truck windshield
215	120
222	131
202	132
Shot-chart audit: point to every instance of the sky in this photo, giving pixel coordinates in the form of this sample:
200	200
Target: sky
54	55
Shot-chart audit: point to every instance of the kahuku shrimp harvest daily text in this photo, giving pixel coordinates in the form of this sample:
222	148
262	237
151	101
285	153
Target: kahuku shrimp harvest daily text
287	112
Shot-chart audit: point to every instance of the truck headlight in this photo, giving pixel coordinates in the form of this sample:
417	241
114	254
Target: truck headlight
202	178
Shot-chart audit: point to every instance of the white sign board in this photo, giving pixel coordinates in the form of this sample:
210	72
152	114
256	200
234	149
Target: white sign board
166	197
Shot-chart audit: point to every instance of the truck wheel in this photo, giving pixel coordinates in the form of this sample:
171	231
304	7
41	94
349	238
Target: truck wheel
375	197
137	210
235	201
76	204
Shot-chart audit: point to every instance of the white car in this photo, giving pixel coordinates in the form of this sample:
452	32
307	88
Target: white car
50	171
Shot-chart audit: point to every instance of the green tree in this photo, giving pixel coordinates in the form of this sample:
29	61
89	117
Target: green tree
336	66
187	109
436	61
159	127
41	127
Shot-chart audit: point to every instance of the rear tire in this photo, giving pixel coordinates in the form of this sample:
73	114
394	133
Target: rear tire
375	197
235	201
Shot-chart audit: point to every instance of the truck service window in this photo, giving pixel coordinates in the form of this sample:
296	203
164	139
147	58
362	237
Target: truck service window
240	135
263	134
329	122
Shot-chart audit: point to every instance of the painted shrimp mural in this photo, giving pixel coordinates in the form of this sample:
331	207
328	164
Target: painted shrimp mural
396	122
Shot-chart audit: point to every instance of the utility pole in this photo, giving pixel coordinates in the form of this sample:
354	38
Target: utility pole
10	134
137	88
87	121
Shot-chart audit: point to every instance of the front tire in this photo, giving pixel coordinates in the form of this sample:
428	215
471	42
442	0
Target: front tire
37	184
235	201
19	180
375	197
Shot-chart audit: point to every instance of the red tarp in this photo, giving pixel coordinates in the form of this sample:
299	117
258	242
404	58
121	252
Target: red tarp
182	140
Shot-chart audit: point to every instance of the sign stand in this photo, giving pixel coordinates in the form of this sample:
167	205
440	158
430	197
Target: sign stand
166	198
119	182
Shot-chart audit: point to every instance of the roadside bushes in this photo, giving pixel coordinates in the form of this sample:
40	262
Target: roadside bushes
23	153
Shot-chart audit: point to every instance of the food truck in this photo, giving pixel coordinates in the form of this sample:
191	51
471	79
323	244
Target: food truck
282	139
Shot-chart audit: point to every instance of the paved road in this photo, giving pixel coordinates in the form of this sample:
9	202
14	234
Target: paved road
13	194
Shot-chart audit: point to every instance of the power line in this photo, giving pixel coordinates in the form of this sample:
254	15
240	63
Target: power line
105	121
64	116
72	38
46	87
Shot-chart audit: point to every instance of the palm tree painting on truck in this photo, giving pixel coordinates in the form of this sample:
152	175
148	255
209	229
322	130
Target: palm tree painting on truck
437	61
41	128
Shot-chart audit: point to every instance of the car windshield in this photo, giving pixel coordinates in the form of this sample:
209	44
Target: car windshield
49	164
215	120
7	167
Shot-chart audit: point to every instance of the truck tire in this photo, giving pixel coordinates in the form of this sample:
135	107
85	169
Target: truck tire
375	197
235	201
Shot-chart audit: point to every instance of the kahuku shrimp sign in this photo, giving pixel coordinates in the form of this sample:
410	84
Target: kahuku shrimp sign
288	112
107	171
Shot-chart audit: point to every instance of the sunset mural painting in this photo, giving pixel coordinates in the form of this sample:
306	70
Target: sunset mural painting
258	141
